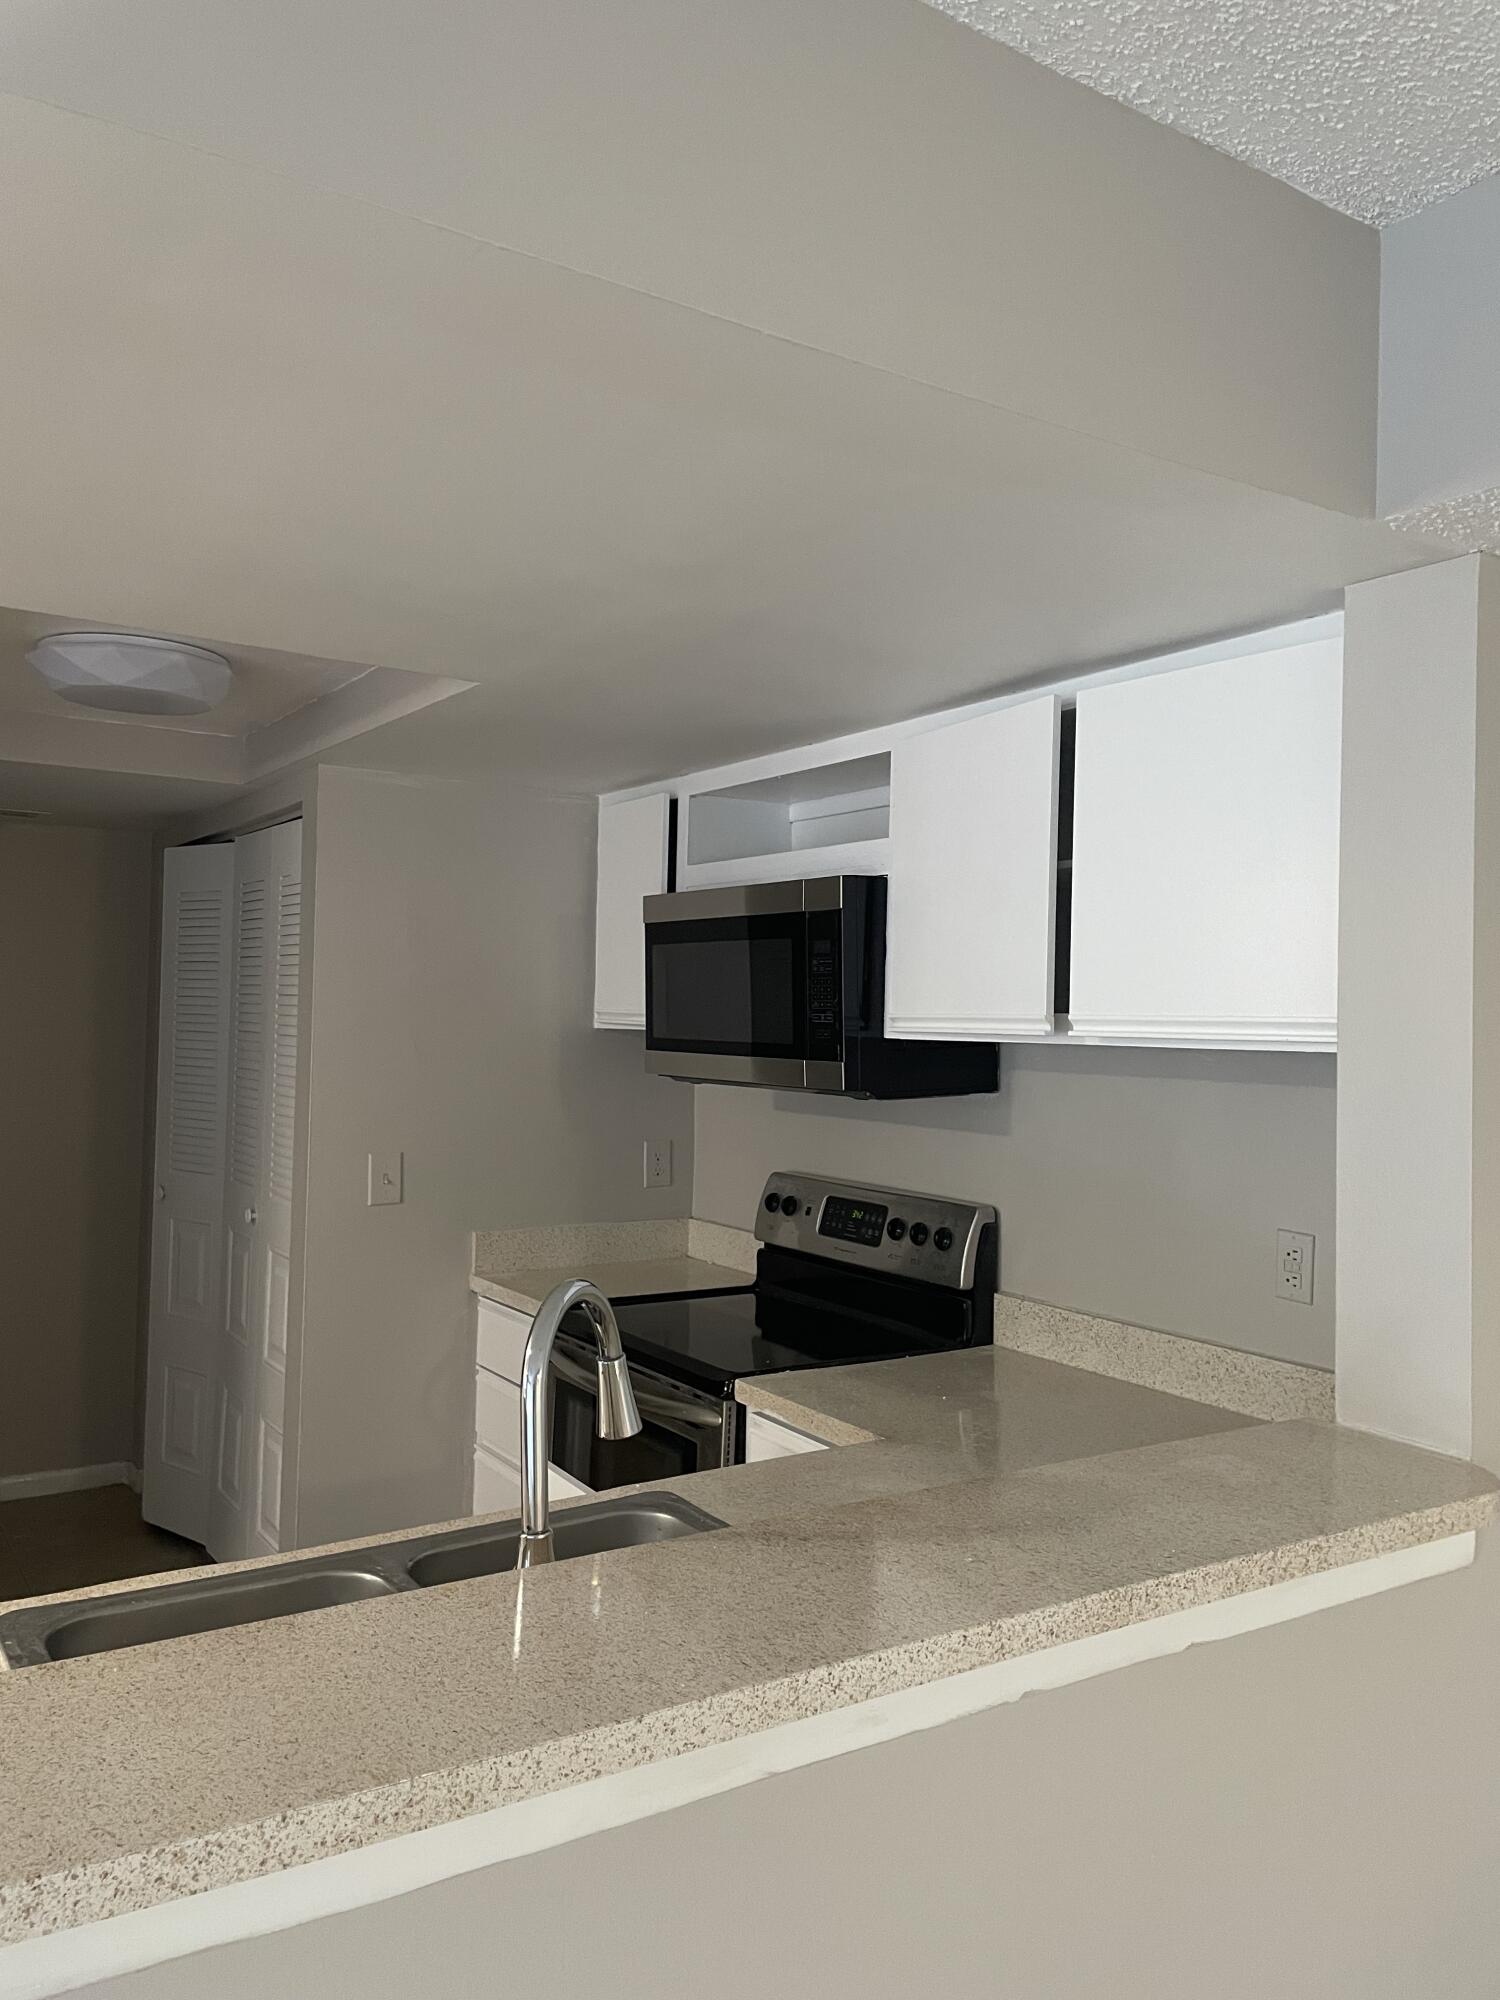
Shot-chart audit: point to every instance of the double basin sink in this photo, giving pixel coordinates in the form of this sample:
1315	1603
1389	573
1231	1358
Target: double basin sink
208	1602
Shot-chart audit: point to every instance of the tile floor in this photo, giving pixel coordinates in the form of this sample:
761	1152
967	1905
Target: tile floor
67	1541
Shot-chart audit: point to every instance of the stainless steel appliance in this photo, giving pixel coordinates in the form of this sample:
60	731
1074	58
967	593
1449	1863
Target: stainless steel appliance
845	1273
783	984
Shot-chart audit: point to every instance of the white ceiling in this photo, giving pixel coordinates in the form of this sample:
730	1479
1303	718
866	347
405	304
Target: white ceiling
1376	107
657	538
73	796
278	388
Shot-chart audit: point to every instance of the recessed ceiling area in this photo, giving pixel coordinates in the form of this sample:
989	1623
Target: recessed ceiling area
266	686
88	767
1377	108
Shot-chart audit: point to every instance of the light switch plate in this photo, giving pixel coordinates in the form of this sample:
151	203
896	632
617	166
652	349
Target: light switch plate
384	1182
657	1169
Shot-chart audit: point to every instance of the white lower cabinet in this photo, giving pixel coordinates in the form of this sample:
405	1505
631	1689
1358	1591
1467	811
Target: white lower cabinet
497	1484
497	1415
769	1437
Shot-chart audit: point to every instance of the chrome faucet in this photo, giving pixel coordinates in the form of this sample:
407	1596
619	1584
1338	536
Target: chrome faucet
618	1415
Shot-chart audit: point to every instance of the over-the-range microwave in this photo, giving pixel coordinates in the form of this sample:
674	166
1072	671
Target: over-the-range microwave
782	984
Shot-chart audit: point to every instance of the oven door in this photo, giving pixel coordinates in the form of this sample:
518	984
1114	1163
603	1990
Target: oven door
745	985
681	1431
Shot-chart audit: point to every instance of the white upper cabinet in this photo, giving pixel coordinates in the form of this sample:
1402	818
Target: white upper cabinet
632	863
973	877
1206	852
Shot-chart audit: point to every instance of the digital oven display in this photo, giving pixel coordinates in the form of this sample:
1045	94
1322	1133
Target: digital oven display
852	1221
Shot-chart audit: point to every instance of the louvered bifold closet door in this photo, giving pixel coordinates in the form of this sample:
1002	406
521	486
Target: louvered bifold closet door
245	1517
187	1225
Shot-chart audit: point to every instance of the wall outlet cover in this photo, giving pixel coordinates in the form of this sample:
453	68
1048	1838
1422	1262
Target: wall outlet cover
657	1168
385	1174
1294	1266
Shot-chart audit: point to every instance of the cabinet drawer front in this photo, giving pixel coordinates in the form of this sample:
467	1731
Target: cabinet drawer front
502	1339
497	1435
767	1437
497	1415
497	1486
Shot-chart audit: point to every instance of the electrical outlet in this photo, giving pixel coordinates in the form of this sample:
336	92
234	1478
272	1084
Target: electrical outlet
1294	1267
658	1164
383	1179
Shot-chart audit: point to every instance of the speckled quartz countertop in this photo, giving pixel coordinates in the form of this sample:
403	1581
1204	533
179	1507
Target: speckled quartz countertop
628	1260
637	1278
1005	1505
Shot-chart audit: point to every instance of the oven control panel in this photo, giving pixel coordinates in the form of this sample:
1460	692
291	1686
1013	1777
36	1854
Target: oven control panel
883	1229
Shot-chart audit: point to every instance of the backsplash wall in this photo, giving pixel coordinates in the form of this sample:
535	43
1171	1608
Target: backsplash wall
1141	1184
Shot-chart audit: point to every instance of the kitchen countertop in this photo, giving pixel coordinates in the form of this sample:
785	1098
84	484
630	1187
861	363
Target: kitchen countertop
1004	1505
618	1279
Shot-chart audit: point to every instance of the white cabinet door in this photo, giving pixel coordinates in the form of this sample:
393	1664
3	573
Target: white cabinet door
502	1336
497	1484
497	1431
973	877
1205	853
187	1237
767	1437
632	864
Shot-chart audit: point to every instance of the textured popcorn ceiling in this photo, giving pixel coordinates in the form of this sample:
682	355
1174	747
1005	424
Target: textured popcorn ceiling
1376	107
1469	521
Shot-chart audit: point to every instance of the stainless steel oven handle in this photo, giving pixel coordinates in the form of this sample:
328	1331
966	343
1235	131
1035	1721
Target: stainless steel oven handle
683	1411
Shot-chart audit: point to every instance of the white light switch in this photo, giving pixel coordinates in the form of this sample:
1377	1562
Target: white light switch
384	1178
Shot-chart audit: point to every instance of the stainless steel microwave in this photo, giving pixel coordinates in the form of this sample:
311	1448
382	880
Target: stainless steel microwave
782	984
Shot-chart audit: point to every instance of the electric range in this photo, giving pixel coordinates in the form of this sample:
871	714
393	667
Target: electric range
845	1273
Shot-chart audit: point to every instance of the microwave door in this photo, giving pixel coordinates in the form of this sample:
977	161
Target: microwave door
726	998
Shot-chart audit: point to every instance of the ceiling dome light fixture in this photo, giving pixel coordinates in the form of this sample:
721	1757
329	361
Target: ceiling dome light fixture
130	675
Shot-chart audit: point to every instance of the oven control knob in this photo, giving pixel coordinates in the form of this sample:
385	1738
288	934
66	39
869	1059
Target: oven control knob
773	1203
942	1239
790	1203
895	1229
919	1233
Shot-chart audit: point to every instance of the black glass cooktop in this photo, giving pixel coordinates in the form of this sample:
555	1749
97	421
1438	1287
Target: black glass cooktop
712	1338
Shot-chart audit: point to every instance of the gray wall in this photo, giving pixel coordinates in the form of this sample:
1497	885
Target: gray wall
451	1003
75	953
1145	1185
1439	330
1306	1813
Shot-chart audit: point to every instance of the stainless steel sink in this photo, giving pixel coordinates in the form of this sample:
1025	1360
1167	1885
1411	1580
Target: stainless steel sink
206	1605
208	1602
577	1531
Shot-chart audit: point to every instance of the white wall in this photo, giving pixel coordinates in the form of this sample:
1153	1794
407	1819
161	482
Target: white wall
1144	1185
451	999
871	180
1419	970
1439	330
1304	1813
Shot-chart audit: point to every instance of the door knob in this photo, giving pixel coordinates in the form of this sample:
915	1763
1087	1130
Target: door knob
161	1193
251	1217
